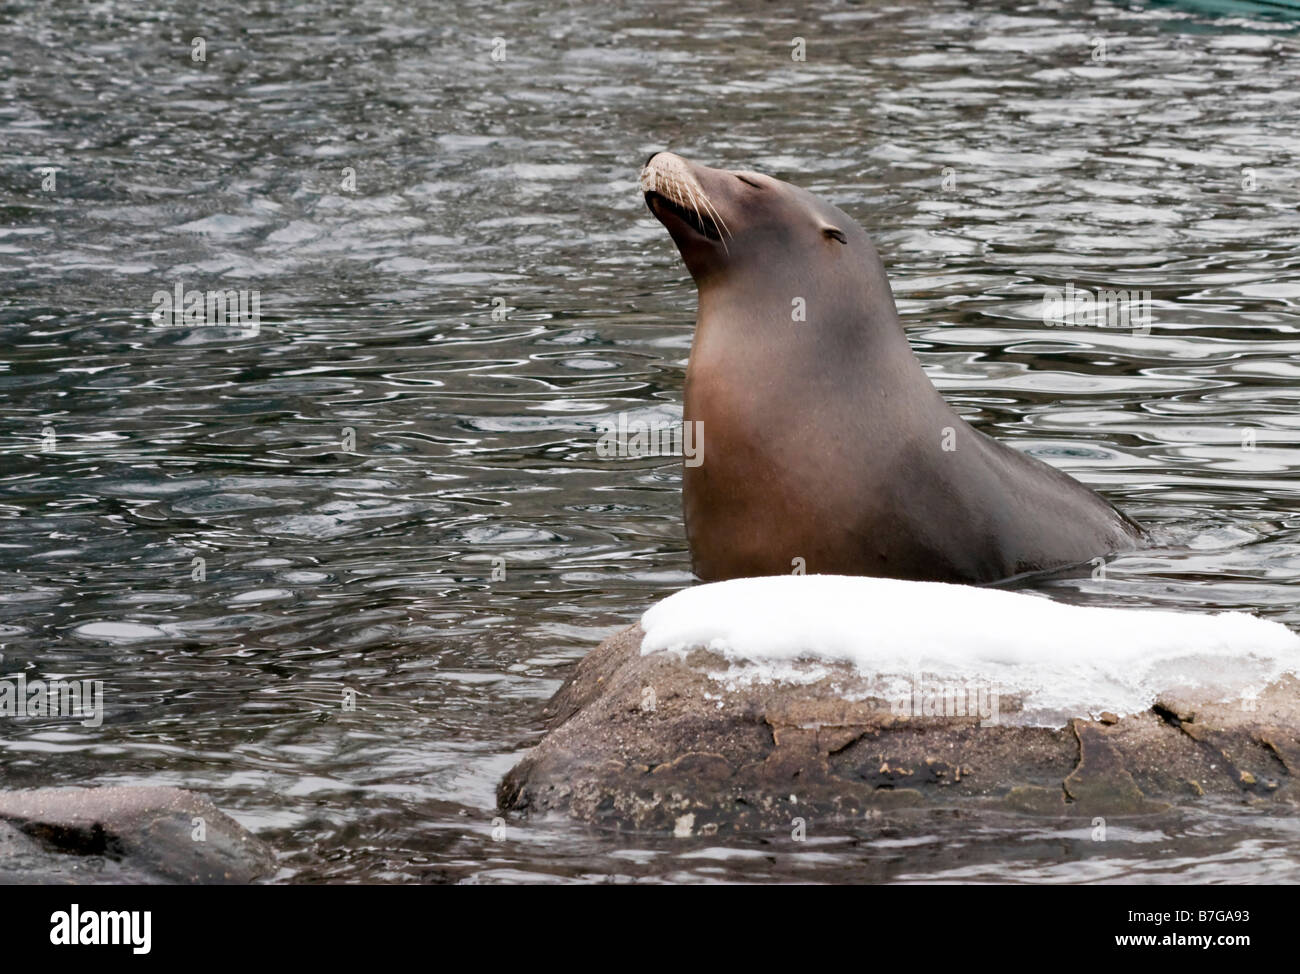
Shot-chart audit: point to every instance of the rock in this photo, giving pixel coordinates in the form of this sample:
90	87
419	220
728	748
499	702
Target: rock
1100	783
124	834
655	743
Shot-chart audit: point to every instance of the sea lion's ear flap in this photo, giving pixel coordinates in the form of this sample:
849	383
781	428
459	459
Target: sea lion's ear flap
834	233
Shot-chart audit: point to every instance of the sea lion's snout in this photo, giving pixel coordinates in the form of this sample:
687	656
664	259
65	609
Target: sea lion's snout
660	166
676	197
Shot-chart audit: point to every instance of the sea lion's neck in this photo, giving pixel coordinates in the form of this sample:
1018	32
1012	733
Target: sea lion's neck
790	345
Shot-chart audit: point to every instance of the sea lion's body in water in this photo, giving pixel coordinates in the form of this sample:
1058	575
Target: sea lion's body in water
824	440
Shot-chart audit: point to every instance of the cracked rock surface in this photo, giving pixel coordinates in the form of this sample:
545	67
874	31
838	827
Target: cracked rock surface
653	743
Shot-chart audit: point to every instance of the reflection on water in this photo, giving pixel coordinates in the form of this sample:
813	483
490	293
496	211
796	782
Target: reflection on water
456	270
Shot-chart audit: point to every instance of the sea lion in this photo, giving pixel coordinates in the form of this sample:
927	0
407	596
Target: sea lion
827	448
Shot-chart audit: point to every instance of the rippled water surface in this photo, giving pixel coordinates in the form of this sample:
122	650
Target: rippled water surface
493	288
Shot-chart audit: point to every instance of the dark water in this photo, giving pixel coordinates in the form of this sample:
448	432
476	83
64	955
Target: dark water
1173	165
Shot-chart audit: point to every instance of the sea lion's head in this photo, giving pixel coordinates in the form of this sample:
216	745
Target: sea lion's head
756	246
724	219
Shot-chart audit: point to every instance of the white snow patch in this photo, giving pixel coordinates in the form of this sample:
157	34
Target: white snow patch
1062	660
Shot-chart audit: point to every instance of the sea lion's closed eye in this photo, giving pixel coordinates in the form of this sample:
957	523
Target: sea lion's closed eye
835	233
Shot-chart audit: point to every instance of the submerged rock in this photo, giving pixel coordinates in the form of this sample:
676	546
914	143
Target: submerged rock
682	743
124	834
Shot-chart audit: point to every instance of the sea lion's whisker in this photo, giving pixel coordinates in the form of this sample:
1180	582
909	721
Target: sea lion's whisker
691	201
696	198
717	217
668	189
679	190
702	198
